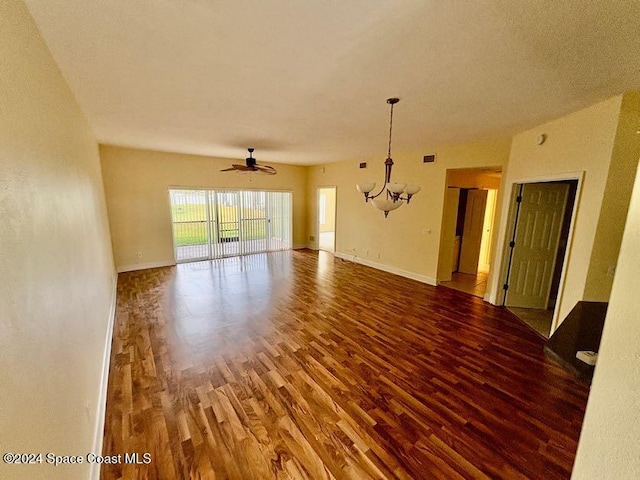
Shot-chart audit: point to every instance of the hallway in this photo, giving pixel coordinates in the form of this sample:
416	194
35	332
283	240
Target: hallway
475	285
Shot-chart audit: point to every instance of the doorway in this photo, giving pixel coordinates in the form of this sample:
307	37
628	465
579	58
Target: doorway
540	218
470	200
211	224
327	219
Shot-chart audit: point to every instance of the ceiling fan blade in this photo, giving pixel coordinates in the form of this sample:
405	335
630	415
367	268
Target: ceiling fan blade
266	169
238	168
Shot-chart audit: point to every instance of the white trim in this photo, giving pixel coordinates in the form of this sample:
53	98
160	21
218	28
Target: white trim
231	189
301	246
144	266
387	268
550	177
101	407
555	320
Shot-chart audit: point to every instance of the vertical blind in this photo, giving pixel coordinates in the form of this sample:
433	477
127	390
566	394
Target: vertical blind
209	224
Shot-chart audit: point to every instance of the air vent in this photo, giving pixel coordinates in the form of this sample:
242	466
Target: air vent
363	164
429	158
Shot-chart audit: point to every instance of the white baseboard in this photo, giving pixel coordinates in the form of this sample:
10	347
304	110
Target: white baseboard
144	266
387	268
101	407
301	247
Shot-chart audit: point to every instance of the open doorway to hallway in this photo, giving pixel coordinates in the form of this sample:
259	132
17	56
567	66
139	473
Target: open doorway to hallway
327	219
540	215
467	229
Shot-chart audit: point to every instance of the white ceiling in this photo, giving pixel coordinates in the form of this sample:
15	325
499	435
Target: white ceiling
306	81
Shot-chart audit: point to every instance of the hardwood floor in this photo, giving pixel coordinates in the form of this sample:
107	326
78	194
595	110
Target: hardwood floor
295	365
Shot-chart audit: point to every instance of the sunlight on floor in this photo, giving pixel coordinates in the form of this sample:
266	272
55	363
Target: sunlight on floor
464	282
327	241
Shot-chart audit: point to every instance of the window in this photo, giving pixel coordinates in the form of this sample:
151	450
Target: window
209	224
322	209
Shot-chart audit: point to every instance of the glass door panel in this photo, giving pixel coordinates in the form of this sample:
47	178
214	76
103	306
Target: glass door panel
210	224
190	231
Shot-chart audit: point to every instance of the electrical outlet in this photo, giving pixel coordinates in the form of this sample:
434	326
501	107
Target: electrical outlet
312	238
611	271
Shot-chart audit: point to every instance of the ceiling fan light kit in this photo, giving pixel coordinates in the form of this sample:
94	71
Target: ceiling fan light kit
393	198
251	166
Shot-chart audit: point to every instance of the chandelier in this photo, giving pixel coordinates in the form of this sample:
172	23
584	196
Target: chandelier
394	192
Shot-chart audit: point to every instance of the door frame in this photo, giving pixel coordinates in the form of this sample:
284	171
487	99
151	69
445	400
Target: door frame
444	258
316	228
507	224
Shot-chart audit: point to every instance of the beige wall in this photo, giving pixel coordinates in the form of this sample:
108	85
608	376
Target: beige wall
56	265
137	184
408	240
610	436
581	141
622	171
473	178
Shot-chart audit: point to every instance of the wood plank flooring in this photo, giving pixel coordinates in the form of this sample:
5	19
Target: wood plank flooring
294	365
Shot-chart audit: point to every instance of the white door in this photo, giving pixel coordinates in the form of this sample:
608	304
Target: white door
536	244
484	264
472	233
448	253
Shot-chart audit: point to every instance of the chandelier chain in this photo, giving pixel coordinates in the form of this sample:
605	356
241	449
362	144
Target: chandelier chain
390	129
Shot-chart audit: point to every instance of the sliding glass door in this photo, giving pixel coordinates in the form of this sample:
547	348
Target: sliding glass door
209	224
189	215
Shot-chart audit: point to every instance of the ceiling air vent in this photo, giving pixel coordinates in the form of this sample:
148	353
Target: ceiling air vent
429	158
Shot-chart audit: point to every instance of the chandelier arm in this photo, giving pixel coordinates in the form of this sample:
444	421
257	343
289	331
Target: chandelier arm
388	165
371	197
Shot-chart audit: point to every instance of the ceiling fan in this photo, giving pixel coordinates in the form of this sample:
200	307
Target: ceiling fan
251	166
